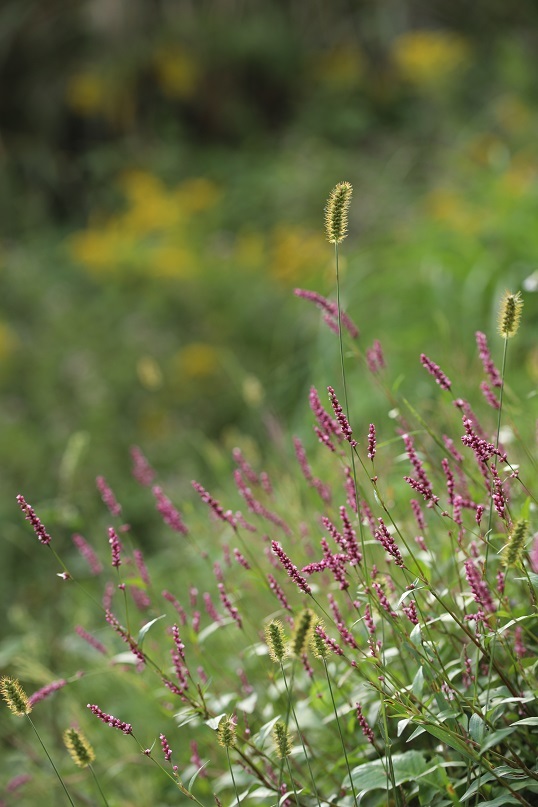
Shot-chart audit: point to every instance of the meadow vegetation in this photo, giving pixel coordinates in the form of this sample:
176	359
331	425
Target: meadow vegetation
281	499
362	630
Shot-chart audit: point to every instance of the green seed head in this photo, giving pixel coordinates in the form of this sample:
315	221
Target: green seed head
276	640
336	212
301	634
15	696
513	551
79	748
510	314
227	732
319	647
282	739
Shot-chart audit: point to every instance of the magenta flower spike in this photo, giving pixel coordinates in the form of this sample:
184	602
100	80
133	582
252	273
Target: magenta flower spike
110	720
434	370
42	535
341	417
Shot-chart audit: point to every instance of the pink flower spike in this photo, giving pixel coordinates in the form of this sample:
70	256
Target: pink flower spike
88	554
142	470
91	640
108	497
434	370
291	569
115	547
341	417
170	515
110	720
371	442
45	691
487	362
330	312
42	535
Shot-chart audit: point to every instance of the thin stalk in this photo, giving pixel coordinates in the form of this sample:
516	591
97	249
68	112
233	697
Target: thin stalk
51	762
98	786
232	775
340	732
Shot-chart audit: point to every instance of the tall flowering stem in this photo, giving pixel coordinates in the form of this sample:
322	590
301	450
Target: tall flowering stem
19	704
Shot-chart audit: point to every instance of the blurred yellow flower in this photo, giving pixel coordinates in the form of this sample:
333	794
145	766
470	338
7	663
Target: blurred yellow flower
521	175
249	250
296	253
195	195
195	361
86	92
171	260
340	67
176	70
428	57
151	235
149	373
450	208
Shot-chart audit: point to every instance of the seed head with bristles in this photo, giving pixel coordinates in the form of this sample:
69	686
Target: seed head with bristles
510	314
513	551
301	634
319	647
336	212
79	748
15	696
276	640
282	739
226	732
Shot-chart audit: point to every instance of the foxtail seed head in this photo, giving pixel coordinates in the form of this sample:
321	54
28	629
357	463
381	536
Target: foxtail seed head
301	633
282	739
226	732
510	314
513	551
336	212
15	696
79	748
276	640
318	645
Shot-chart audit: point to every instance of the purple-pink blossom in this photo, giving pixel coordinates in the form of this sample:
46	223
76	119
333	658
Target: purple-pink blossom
434	370
40	531
169	513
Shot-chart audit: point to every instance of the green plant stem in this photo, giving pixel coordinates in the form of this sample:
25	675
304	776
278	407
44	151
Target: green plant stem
98	785
290	705
340	731
50	760
232	775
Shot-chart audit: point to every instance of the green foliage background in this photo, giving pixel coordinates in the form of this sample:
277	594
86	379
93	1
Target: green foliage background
163	170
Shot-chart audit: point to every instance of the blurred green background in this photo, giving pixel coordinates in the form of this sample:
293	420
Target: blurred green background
163	172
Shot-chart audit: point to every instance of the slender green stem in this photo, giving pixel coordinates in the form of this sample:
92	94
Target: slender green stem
98	786
299	733
232	775
51	762
340	732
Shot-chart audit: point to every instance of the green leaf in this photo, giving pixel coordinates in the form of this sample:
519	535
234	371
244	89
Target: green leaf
449	739
494	738
500	801
526	721
213	722
373	775
195	775
417	732
418	683
533	577
248	704
477	728
144	629
416	636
